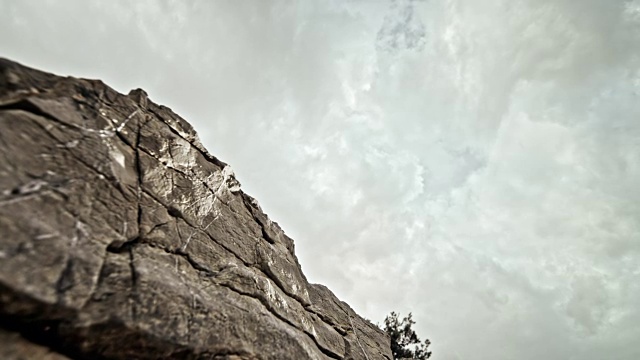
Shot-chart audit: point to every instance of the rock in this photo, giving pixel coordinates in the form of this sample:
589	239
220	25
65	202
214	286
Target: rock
123	238
15	347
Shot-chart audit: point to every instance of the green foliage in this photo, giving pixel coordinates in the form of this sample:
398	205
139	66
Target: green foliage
405	343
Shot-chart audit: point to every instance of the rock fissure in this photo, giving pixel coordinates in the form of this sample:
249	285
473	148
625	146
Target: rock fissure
111	179
214	160
133	295
212	275
29	107
327	321
65	280
265	234
174	212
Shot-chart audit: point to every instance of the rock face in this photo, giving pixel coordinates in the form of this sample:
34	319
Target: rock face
121	237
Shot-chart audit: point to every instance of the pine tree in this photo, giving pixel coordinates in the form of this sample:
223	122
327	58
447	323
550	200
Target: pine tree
405	343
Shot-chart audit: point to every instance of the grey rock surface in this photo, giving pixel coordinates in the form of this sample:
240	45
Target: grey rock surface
121	237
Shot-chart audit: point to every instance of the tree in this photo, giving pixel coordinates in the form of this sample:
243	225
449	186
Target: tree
404	341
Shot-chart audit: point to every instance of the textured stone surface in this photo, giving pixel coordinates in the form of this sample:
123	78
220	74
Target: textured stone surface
14	347
121	237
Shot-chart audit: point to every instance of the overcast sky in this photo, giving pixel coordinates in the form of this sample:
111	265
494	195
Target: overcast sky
475	162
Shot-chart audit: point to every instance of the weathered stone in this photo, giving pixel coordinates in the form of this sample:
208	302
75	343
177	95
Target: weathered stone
121	237
15	347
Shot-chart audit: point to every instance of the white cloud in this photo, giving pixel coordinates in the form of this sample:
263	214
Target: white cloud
472	162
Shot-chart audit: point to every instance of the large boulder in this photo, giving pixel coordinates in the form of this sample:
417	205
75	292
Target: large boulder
121	237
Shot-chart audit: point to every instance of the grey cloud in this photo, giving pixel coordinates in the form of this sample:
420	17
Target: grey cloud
402	29
472	162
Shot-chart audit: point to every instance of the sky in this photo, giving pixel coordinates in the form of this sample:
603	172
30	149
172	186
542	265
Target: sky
474	162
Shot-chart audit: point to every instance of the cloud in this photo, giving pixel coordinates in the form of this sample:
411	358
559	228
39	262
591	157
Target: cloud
472	162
